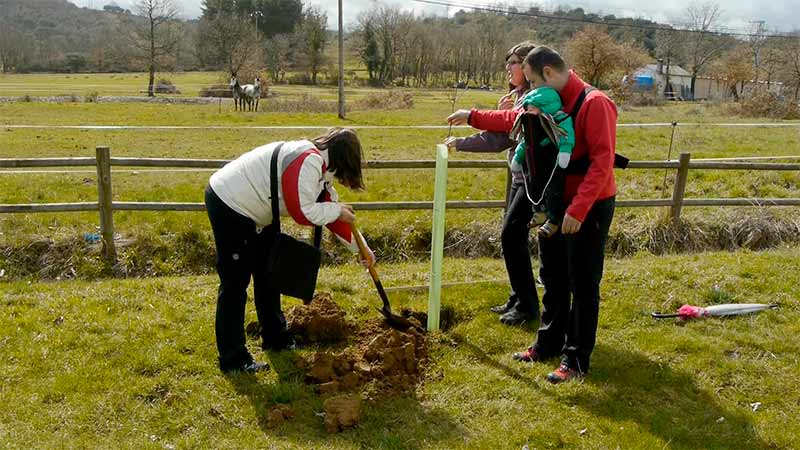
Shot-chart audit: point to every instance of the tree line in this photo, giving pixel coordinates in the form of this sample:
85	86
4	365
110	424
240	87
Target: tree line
289	42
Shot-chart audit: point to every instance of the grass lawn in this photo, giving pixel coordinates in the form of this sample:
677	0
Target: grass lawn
387	229
431	107
131	364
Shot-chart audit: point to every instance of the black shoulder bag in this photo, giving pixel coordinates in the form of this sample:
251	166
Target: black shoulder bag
293	265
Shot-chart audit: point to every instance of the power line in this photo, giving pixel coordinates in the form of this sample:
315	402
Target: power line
497	10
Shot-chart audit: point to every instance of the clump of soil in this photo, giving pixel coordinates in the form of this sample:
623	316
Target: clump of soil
321	321
342	412
390	359
278	414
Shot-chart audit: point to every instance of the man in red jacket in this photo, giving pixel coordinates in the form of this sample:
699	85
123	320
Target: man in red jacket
571	261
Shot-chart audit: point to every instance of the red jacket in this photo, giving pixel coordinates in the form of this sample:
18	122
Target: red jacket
595	136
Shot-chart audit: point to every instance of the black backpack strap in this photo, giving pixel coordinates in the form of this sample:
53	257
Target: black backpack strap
581	166
579	103
317	229
273	188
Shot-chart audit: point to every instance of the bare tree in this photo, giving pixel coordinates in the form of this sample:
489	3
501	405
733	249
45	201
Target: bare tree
313	35
15	48
703	45
156	37
228	40
735	68
277	55
756	42
791	52
631	57
381	41
669	48
594	54
772	60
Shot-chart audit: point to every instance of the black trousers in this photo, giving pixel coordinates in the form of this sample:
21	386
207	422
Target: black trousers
242	253
571	269
516	251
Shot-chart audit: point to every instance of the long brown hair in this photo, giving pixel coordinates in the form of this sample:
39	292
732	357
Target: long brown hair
520	50
344	153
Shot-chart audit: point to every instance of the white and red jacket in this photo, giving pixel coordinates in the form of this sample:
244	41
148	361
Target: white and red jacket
244	185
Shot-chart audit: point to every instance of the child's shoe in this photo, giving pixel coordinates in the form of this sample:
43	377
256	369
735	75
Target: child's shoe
548	230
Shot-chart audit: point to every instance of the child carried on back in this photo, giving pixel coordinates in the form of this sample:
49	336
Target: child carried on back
551	141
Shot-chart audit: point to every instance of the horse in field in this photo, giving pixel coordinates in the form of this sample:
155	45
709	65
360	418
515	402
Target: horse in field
252	94
237	94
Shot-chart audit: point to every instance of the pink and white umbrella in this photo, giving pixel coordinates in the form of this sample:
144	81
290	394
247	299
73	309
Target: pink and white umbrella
687	312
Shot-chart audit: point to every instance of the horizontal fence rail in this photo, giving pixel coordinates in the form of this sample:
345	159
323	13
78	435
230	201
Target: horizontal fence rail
394	164
105	206
93	127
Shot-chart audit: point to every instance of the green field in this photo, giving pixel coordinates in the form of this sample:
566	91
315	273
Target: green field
131	365
102	362
430	108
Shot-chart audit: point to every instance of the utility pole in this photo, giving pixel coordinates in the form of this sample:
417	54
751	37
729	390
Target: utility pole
341	63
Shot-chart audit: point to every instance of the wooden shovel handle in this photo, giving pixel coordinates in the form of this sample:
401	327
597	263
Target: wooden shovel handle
362	249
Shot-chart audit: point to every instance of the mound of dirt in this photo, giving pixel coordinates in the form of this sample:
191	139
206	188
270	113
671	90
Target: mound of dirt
372	353
321	321
392	360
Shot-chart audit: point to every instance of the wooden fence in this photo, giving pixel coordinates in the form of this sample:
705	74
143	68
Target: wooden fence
103	161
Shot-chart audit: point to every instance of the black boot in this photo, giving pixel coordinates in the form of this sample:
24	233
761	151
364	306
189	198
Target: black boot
518	316
279	342
506	307
250	367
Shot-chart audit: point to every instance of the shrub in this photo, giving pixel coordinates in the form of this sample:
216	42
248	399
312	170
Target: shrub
217	90
300	104
765	105
299	78
165	86
386	100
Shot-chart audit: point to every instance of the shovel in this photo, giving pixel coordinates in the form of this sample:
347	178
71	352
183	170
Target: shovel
395	321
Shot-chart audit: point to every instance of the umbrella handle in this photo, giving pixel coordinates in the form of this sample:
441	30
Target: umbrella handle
658	315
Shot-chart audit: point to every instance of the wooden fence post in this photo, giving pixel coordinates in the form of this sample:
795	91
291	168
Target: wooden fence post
104	202
681	176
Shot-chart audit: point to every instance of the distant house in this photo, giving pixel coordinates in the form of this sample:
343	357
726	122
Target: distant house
653	78
715	88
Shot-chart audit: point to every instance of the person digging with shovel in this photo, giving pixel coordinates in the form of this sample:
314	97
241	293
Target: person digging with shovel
247	234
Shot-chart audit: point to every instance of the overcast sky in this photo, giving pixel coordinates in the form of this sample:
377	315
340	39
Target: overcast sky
778	14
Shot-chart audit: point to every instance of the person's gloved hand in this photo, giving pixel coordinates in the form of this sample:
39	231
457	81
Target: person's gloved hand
516	167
